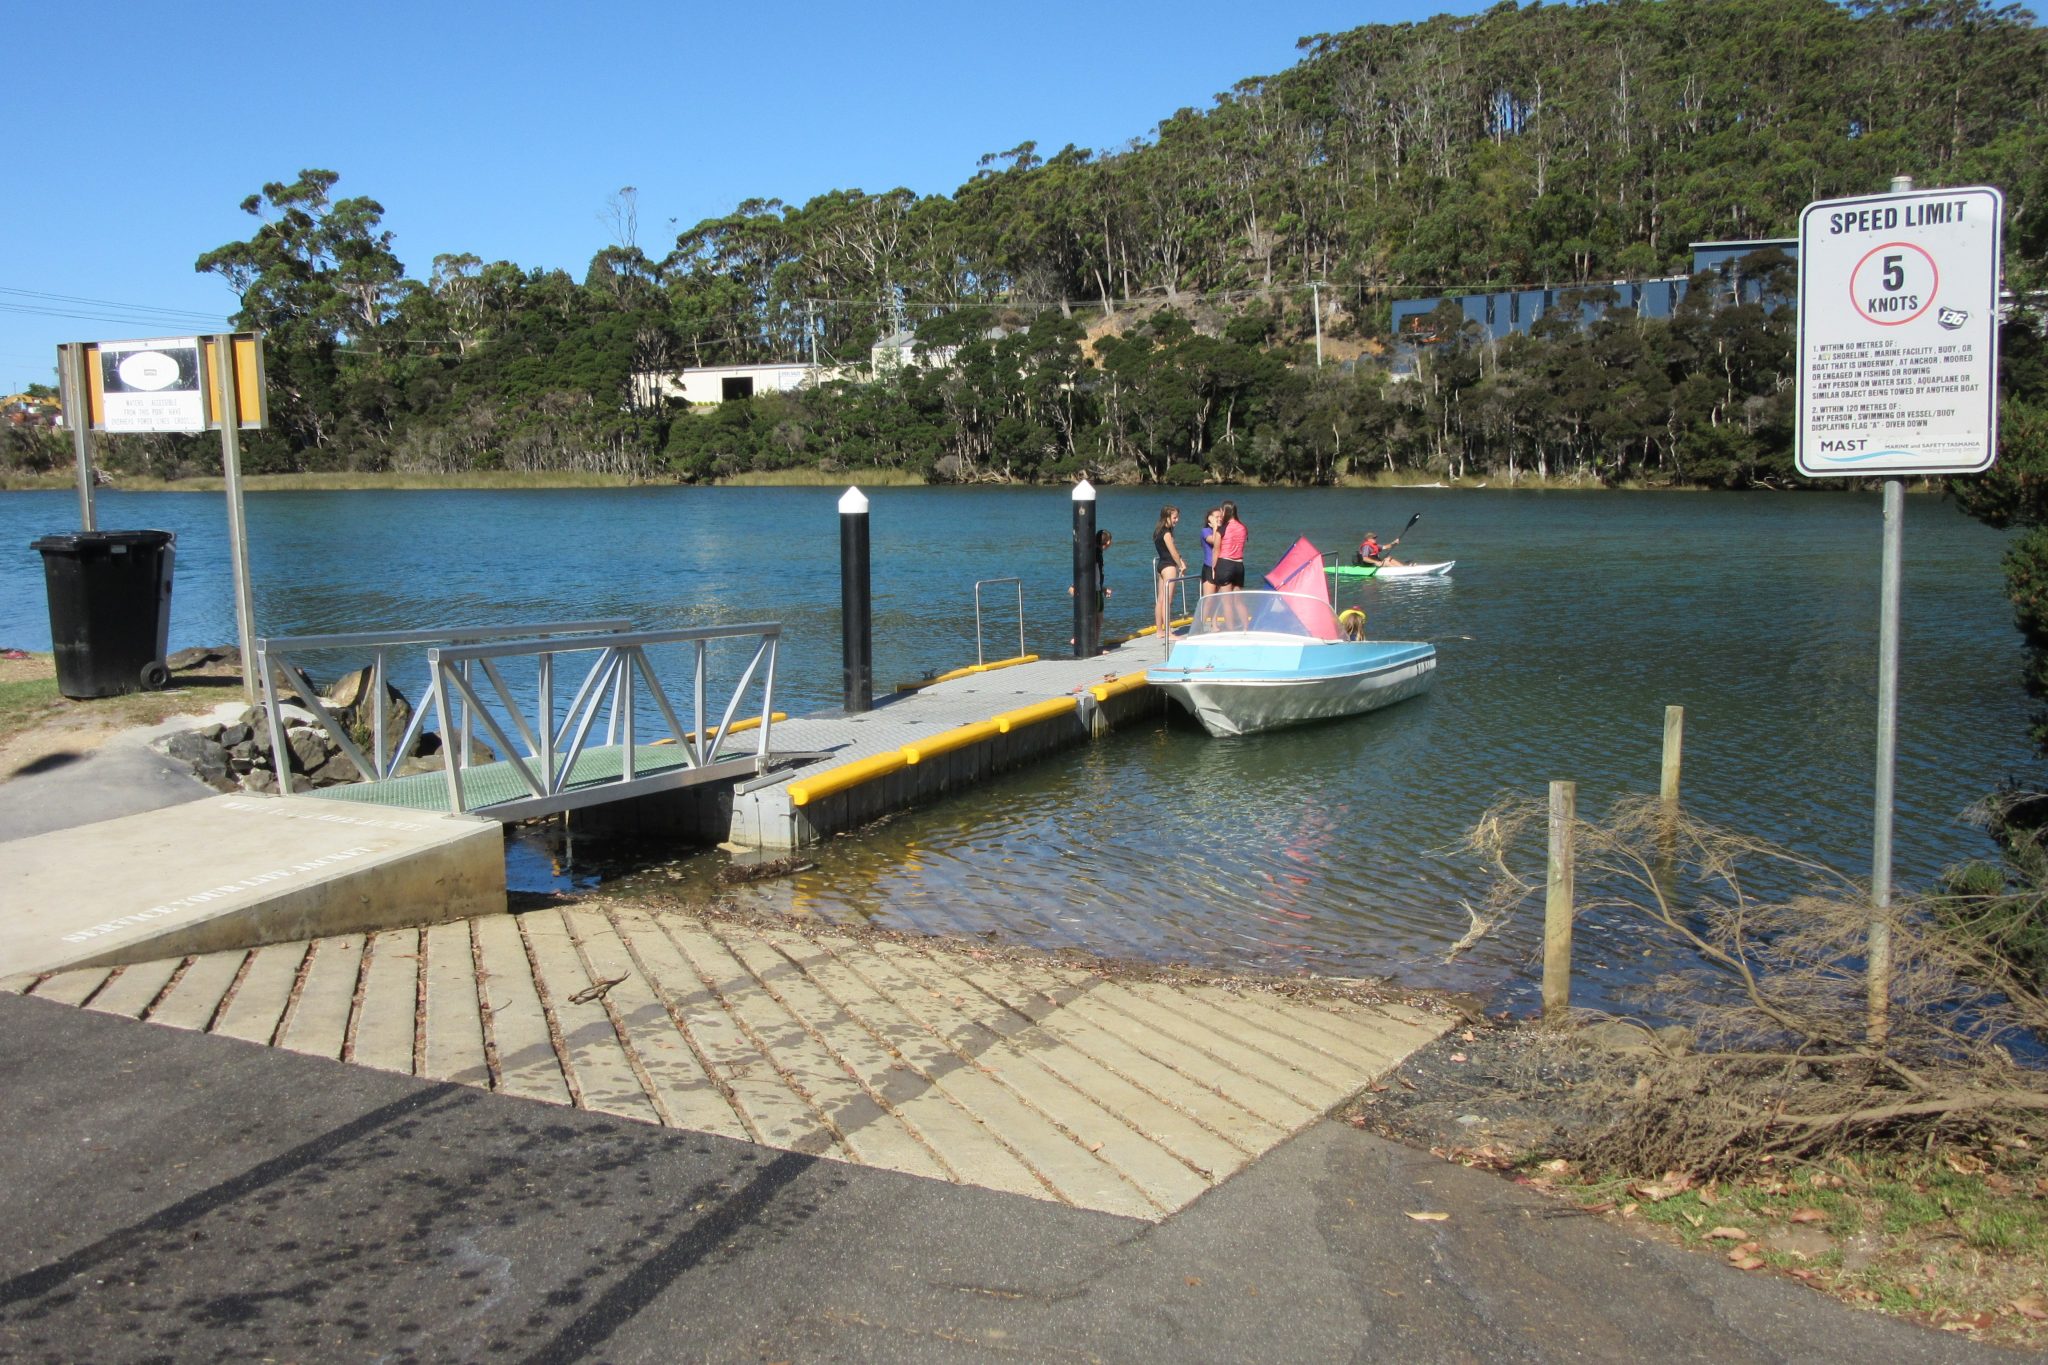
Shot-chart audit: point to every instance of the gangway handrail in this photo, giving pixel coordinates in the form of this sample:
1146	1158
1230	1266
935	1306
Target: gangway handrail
455	635
381	762
979	656
547	769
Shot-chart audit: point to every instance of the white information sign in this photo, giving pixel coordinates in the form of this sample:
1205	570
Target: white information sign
152	385
1898	333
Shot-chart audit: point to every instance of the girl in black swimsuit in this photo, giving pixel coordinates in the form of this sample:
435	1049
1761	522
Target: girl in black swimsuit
1167	565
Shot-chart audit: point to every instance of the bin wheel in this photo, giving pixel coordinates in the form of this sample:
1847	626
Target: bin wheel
155	677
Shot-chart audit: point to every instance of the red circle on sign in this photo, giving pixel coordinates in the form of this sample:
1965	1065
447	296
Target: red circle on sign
1926	304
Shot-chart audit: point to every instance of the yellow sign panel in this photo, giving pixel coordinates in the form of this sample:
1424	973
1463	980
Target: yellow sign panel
171	383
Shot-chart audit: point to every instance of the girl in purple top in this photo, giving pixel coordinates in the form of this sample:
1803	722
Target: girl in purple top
1208	534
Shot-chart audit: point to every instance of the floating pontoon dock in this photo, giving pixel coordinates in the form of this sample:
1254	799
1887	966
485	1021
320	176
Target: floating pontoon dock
776	785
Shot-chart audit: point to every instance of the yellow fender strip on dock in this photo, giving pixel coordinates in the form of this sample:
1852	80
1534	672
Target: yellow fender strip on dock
959	737
1152	630
1116	687
1001	663
966	672
1031	715
750	723
973	669
846	775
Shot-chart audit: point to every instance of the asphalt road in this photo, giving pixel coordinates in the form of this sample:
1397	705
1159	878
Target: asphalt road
123	776
172	1196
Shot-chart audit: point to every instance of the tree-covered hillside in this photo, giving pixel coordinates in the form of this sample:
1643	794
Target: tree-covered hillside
1145	311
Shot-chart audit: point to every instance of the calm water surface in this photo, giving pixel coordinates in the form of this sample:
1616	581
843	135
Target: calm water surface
1571	622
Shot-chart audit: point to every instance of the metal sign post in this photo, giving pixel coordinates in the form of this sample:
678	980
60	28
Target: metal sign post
226	390
73	389
1898	357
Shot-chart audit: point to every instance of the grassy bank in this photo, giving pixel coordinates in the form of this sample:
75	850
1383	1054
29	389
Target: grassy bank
37	722
818	478
1409	478
25	701
1943	1237
1953	1234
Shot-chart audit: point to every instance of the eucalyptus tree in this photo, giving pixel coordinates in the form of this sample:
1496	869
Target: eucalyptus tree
317	275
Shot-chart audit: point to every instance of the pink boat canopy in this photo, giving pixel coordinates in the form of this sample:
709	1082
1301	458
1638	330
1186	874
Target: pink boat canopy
1299	574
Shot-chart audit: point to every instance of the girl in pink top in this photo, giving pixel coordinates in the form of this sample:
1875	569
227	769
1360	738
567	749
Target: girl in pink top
1230	539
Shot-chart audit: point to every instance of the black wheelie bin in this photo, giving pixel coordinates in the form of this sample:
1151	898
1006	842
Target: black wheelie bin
110	609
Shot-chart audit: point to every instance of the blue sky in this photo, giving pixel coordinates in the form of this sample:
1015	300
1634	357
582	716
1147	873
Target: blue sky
504	129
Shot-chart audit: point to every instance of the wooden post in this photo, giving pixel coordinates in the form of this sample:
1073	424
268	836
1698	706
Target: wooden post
1674	749
1557	906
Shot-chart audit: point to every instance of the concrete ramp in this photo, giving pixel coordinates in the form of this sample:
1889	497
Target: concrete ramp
237	872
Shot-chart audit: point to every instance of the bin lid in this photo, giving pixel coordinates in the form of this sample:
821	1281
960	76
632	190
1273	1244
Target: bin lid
102	542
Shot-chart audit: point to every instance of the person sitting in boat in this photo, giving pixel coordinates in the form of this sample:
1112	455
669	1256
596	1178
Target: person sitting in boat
1374	554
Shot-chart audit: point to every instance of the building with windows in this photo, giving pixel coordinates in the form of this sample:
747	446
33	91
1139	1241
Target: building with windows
711	384
1505	311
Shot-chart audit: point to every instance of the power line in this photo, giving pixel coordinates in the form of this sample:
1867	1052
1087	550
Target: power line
156	324
130	309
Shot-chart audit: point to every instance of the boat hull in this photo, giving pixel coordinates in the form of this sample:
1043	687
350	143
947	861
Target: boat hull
1439	570
1235	691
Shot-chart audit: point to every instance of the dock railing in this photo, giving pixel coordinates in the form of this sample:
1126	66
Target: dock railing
554	744
278	656
981	655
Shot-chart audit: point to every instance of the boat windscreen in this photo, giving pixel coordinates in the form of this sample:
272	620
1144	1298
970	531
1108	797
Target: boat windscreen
1275	613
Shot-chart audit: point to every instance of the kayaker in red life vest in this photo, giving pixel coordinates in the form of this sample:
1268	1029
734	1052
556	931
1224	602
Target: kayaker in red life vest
1371	552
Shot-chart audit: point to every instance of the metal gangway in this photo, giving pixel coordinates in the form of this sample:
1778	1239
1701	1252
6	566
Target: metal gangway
549	758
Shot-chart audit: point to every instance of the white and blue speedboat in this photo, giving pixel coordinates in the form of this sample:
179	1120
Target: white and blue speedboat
1256	660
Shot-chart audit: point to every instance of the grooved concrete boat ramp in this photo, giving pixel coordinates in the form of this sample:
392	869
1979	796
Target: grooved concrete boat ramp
1008	1070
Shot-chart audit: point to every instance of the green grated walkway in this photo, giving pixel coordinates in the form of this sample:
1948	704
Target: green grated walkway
490	784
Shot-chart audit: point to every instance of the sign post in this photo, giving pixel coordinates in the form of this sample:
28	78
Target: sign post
1898	365
72	389
174	384
226	387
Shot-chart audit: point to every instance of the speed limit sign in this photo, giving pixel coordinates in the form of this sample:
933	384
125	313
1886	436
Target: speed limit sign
1898	333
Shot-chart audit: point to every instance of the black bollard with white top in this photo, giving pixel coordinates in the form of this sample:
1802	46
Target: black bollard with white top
1087	575
856	614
